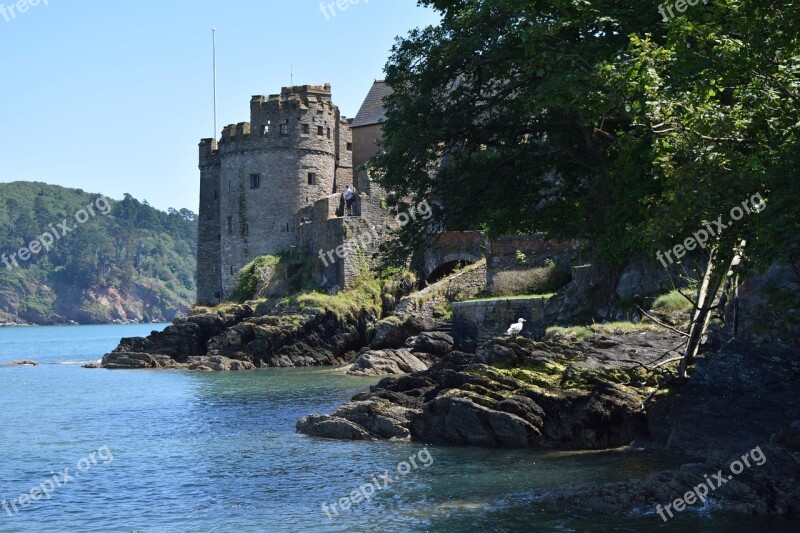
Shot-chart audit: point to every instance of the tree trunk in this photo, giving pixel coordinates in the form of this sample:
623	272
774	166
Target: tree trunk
718	268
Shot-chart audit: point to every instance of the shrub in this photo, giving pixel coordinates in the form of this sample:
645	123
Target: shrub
249	277
541	280
672	302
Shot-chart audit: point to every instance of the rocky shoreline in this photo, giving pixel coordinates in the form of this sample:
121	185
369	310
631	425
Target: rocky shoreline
243	337
570	394
561	392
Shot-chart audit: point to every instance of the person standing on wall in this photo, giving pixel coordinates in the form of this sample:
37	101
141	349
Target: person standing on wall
348	200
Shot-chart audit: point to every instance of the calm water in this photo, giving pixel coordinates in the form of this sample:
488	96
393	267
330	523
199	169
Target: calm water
197	452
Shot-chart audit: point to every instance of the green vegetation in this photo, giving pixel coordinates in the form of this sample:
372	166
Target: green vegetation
443	310
363	295
603	123
543	280
607	124
135	258
672	302
270	276
607	328
253	274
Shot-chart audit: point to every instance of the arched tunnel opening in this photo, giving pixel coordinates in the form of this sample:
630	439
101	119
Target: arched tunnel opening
445	269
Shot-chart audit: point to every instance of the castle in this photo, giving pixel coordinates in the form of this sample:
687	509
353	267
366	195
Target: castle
274	185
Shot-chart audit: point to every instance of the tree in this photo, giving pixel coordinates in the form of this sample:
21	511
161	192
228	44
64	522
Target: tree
600	121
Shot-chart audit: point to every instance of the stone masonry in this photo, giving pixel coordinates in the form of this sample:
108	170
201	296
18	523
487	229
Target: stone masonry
271	185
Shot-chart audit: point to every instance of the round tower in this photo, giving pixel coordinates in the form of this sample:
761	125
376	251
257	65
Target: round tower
270	169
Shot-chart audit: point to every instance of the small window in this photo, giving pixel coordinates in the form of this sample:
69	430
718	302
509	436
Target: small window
312	178
320	131
216	195
246	229
320	111
219	237
305	128
229	184
349	147
284	129
329	133
231	270
255	181
264	130
230	225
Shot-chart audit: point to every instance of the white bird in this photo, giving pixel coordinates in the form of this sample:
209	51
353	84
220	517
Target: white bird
516	328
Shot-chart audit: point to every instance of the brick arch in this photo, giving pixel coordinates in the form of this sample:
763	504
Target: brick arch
451	248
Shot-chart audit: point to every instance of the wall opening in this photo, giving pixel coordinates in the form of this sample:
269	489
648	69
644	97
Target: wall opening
445	269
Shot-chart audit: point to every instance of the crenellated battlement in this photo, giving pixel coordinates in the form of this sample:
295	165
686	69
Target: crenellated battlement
236	132
263	175
209	153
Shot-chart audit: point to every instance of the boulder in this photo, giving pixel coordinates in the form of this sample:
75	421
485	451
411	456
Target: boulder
330	427
358	420
392	332
217	363
435	343
386	362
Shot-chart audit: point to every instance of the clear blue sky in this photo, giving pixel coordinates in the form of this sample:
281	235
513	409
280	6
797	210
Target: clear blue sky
113	96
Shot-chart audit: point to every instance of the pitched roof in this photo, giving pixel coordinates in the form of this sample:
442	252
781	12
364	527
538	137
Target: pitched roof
371	111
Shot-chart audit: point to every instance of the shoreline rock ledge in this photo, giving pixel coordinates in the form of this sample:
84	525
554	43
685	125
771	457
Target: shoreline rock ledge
513	392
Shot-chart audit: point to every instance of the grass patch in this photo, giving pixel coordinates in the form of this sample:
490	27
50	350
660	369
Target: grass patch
363	295
606	328
672	302
541	280
444	310
249	277
518	297
581	332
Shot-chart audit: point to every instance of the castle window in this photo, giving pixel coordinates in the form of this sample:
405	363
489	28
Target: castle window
284	129
320	131
305	128
320	111
329	133
349	147
219	237
231	270
246	229
216	195
230	225
312	178
264	130
255	181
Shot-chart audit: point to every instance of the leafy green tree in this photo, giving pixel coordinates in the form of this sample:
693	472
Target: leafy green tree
601	121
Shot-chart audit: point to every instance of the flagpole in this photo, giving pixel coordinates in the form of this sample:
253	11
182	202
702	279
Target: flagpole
214	50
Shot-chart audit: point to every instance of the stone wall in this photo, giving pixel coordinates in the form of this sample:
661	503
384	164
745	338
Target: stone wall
452	246
463	284
259	186
477	321
209	281
501	254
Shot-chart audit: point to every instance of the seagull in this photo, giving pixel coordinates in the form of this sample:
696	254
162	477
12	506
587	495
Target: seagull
516	328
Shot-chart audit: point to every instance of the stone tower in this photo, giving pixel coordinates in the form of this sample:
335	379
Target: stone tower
258	182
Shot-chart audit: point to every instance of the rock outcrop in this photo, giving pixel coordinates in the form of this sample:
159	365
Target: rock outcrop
241	337
418	353
514	392
389	361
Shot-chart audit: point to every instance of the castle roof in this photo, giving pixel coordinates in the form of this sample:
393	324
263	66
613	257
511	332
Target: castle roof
372	111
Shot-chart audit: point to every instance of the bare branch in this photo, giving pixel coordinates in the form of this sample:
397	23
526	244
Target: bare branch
676	330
